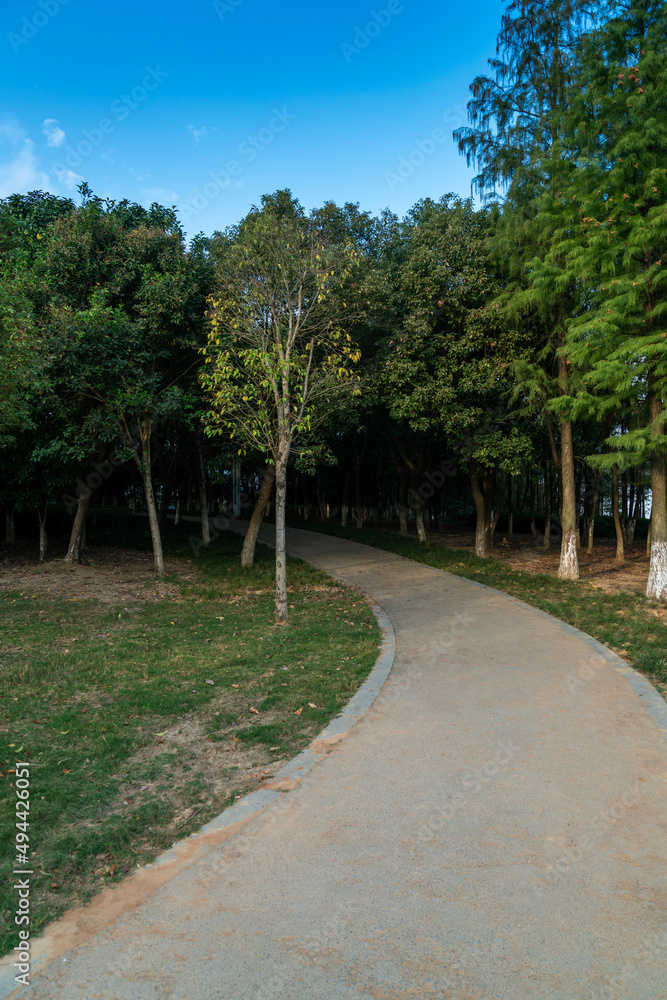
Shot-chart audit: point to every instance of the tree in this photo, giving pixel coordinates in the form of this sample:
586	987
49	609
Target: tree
279	358
616	212
444	362
124	317
514	141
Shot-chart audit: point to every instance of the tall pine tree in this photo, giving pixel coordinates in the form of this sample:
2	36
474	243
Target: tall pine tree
618	247
514	141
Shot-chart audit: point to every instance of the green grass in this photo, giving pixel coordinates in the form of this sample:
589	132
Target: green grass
112	709
628	623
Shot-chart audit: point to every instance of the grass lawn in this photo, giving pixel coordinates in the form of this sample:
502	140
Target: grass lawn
142	720
628	623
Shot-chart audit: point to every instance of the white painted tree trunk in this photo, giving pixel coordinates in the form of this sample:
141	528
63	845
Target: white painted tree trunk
569	562
656	587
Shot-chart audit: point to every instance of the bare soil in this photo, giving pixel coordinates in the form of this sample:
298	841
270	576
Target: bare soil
108	575
599	569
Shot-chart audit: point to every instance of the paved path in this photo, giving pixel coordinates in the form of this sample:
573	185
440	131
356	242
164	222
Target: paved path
492	829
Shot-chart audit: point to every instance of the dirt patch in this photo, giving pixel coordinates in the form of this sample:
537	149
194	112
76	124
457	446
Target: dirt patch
108	575
599	569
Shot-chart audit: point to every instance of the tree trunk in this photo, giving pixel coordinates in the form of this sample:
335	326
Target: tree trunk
281	556
203	499
76	535
500	493
346	499
263	500
43	542
321	502
177	514
167	490
510	508
620	554
547	508
403	504
144	463
439	522
10	530
533	498
569	562
657	578
358	465
591	508
481	534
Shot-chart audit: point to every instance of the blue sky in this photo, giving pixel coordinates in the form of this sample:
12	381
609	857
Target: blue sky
208	105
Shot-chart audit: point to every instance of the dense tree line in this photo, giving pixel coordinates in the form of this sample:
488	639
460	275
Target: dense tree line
506	362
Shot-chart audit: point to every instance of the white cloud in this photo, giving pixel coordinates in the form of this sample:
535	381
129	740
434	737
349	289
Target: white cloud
53	132
19	169
197	133
67	177
164	195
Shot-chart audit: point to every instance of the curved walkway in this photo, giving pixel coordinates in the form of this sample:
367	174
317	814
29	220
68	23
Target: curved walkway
493	828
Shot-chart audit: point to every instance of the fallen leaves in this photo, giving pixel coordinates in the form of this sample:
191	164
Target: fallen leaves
254	711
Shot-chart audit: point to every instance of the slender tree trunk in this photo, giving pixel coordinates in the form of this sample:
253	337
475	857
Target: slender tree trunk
498	507
167	489
510	509
43	541
203	499
533	498
657	578
420	525
547	508
591	508
403	503
10	530
620	554
177	514
144	463
321	502
481	534
569	562
263	500
76	535
439	523
346	499
281	556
